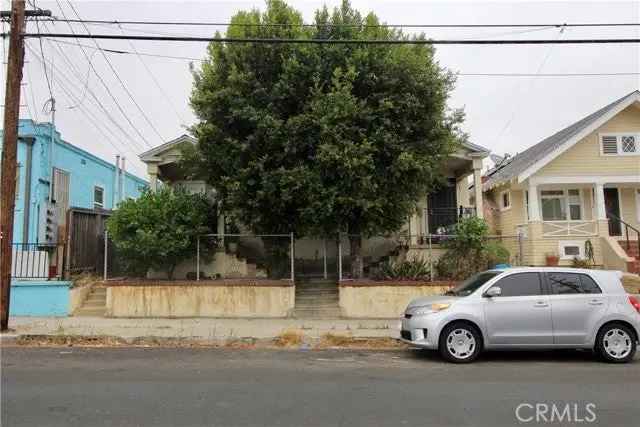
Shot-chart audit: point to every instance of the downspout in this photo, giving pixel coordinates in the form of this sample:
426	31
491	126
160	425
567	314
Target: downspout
51	146
114	193
26	222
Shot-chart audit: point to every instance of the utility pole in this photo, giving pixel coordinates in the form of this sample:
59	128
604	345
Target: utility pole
10	148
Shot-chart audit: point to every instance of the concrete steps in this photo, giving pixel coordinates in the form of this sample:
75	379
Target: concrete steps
632	250
317	299
95	304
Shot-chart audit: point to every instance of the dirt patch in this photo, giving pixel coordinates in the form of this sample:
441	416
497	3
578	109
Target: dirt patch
288	340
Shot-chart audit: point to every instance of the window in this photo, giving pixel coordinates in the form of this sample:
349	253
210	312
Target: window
505	200
572	283
470	285
526	204
521	284
98	197
553	206
560	205
571	249
623	144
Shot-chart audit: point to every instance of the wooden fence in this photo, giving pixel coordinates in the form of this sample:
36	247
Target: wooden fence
85	240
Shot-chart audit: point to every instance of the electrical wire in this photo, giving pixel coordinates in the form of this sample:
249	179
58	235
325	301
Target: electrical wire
115	73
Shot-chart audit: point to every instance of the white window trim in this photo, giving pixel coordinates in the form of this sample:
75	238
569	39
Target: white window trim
501	200
565	201
101	205
562	244
619	143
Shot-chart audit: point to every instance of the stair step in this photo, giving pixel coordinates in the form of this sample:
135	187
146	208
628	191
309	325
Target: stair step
317	297
85	312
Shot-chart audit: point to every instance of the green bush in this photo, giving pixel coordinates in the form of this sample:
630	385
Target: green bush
413	269
470	251
160	229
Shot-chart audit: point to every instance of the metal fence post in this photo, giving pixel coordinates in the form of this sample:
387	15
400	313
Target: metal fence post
198	259
292	249
324	257
339	257
430	259
106	256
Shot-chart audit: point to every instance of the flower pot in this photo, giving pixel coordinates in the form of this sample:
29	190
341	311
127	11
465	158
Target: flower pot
552	260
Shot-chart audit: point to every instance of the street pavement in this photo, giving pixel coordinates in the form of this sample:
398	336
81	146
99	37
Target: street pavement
71	386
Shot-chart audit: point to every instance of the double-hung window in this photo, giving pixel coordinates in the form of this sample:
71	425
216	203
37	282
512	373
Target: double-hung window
561	205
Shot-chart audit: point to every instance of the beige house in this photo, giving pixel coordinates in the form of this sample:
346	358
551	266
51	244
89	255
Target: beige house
580	185
436	213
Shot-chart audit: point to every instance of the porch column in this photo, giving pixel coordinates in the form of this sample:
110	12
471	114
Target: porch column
600	206
534	204
477	187
152	170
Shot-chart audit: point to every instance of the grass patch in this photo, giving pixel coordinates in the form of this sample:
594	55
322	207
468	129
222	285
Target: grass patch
330	340
289	338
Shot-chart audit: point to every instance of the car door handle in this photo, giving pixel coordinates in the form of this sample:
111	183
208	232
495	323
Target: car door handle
541	304
595	302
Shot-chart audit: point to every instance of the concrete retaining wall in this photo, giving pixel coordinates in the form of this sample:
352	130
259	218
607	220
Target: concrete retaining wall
77	296
384	299
223	298
39	298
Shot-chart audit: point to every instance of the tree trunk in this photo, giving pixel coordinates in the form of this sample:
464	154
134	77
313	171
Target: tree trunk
170	271
355	249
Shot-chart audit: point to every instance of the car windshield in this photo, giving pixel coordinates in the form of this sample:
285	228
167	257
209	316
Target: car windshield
470	285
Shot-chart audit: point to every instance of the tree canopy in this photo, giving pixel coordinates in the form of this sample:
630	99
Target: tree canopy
317	139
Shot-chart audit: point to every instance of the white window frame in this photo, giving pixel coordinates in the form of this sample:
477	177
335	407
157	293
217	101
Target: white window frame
562	244
565	202
618	136
501	201
96	204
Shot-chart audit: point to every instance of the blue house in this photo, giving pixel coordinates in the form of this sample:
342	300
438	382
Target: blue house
80	179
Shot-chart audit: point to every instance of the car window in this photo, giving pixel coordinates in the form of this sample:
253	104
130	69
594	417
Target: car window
520	284
470	285
572	283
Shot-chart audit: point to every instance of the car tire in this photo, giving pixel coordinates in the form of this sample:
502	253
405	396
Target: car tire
616	343
460	342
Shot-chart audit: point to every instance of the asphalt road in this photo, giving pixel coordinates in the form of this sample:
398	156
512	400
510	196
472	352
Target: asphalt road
214	387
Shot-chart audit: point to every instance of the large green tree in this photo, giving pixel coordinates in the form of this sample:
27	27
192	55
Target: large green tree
322	138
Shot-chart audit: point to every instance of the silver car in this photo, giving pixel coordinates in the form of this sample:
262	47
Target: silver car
528	308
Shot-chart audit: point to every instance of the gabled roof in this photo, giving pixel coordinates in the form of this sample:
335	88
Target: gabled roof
531	160
151	154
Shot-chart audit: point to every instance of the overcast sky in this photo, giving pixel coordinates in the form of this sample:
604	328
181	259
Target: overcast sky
504	114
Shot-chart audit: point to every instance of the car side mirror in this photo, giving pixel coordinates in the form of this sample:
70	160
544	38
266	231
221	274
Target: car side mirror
494	291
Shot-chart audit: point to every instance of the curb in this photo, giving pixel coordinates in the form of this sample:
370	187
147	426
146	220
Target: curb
9	338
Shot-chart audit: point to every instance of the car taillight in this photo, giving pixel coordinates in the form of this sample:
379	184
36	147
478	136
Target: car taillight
635	303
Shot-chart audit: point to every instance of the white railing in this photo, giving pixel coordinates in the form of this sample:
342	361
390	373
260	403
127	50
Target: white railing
569	228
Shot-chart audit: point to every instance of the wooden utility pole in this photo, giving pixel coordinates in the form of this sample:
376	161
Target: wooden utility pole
9	155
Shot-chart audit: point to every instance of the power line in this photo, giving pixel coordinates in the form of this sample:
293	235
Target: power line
115	73
106	87
328	25
332	41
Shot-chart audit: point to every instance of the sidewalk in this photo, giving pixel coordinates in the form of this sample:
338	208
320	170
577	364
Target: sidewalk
203	329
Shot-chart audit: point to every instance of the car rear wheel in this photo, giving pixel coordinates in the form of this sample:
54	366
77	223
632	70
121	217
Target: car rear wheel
460	343
616	343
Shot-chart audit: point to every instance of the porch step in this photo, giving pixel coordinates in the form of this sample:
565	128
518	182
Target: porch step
95	304
317	299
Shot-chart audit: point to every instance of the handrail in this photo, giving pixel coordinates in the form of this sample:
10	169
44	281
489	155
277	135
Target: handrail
627	226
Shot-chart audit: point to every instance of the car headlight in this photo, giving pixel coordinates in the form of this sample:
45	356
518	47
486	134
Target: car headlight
428	309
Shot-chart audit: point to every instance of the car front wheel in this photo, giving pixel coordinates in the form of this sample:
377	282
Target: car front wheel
460	343
616	343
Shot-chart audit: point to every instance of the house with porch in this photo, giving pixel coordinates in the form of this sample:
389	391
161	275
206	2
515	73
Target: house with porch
436	212
575	194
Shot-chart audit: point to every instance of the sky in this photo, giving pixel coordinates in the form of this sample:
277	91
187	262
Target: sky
506	114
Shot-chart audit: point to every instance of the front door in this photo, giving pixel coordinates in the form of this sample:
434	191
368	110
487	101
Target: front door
612	206
521	315
442	206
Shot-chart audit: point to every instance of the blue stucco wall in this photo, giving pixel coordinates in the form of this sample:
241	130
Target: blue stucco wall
39	298
85	171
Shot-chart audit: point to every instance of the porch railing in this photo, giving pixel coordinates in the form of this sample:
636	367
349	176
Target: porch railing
569	228
440	220
31	260
629	231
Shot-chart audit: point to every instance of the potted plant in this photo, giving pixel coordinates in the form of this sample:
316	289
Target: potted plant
552	260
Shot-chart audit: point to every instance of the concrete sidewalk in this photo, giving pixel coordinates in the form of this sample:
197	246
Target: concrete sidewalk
202	329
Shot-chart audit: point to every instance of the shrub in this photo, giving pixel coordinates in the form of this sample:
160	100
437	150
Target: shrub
470	251
413	269
160	229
